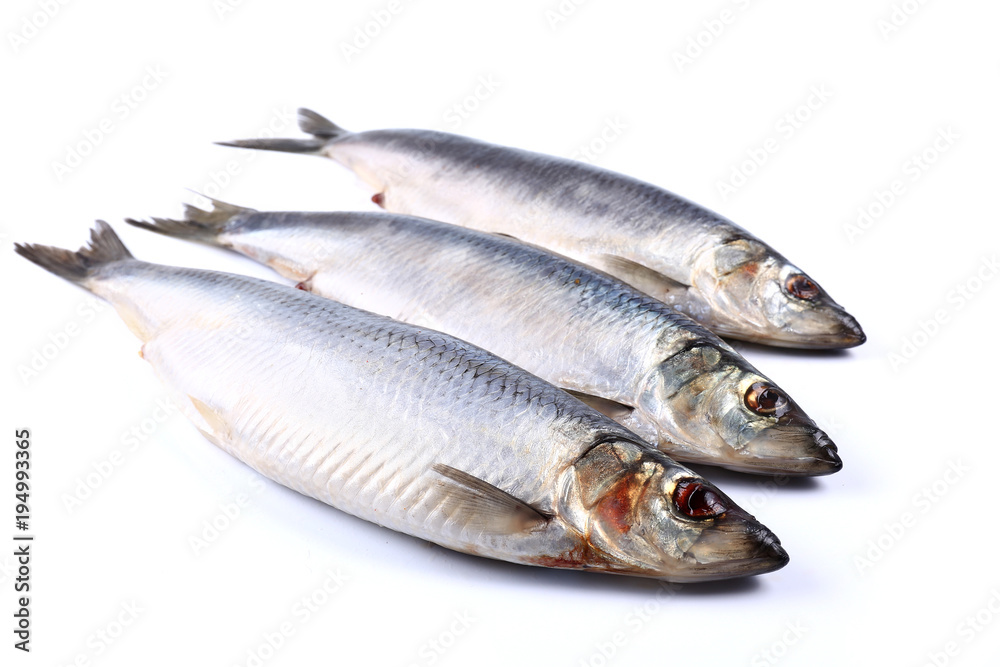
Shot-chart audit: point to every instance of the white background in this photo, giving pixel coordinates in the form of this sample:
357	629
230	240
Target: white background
861	586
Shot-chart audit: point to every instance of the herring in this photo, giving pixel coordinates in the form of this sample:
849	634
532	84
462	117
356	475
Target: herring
661	375
415	430
702	264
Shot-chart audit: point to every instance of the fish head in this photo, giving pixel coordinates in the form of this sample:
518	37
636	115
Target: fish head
648	516
715	408
754	294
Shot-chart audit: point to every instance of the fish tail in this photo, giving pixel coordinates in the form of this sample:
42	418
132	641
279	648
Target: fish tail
322	129
197	224
312	123
77	266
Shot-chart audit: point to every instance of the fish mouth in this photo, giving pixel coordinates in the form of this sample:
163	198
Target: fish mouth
840	335
790	449
737	545
829	328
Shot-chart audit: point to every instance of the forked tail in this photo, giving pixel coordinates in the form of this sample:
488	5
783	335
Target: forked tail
76	266
197	224
322	129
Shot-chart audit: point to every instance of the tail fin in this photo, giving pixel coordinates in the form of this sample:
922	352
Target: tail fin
198	224
104	247
310	122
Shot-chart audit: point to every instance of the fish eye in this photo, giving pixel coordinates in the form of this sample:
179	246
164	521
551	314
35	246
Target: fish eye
801	287
697	500
766	399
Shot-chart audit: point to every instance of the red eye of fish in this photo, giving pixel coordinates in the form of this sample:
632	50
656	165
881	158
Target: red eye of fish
801	287
698	501
765	399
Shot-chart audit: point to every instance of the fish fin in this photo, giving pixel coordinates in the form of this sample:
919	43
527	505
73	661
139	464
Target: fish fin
307	146
76	266
198	224
323	131
312	123
219	430
626	415
641	277
485	507
605	406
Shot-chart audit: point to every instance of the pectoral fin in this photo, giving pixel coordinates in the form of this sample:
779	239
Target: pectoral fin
641	277
483	506
605	406
626	415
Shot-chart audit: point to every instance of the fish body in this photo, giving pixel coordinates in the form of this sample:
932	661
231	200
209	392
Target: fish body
413	429
700	263
660	374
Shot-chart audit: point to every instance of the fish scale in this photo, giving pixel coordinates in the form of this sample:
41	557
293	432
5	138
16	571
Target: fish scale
404	356
413	429
660	374
697	261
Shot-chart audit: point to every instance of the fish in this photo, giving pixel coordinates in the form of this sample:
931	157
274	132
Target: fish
633	358
412	429
702	264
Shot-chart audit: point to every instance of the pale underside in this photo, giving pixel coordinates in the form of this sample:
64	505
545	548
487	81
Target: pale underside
352	408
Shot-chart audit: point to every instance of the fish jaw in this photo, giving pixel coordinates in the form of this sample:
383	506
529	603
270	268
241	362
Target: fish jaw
791	450
742	289
737	546
704	401
825	327
640	513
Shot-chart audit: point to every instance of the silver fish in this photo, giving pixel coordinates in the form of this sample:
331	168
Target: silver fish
661	375
415	430
700	263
